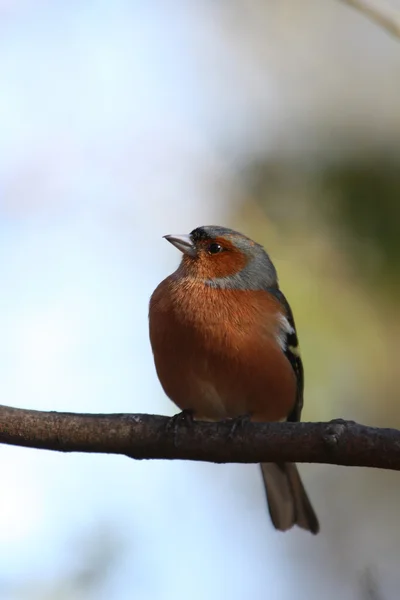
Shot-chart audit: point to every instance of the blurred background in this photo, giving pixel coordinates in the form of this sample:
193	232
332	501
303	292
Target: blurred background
121	122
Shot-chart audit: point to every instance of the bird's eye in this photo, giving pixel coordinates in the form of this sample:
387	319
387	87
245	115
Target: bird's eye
214	248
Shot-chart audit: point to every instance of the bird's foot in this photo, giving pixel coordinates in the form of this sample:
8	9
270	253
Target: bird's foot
186	417
237	424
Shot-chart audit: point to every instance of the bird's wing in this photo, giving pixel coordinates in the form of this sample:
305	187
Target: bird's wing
292	352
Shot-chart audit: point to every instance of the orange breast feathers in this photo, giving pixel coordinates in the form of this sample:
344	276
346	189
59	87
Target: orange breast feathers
217	351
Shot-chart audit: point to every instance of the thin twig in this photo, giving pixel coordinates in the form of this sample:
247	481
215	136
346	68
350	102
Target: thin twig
379	12
147	436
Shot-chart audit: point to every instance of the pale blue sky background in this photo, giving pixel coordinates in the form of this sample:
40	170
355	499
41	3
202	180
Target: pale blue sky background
121	122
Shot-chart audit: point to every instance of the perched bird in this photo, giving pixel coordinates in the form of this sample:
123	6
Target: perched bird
225	346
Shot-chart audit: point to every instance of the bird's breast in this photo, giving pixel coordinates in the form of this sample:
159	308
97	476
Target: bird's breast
216	351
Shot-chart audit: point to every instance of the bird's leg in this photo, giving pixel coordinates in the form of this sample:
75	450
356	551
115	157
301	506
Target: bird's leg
238	423
186	416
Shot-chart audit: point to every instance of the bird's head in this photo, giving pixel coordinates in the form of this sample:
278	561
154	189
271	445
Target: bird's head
224	258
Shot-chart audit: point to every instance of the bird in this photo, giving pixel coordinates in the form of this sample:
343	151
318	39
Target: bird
225	346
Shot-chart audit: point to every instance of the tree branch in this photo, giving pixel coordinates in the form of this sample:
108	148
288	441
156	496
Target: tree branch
380	12
148	436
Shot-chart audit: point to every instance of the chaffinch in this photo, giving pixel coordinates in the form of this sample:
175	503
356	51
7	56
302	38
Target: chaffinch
225	345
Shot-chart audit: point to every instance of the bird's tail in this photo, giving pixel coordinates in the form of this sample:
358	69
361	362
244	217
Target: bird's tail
288	502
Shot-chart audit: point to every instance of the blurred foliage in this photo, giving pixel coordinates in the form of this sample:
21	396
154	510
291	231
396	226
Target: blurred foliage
357	202
367	197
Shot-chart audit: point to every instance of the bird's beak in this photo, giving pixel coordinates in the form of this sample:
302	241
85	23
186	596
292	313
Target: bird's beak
183	243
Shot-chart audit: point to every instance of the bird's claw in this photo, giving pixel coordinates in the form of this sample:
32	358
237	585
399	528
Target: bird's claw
237	424
186	417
